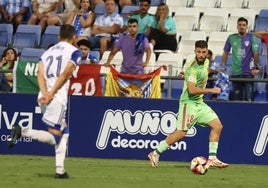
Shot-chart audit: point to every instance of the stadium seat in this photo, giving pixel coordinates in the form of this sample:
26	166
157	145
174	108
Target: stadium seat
257	5
176	87
236	13
214	19
217	40
50	36
27	36
2	49
231	4
117	60
127	9
31	54
6	34
262	20
99	9
180	3
175	4
174	63
203	4
156	2
151	65
187	19
95	54
187	43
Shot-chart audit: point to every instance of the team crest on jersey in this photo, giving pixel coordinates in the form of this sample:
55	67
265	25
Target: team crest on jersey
247	43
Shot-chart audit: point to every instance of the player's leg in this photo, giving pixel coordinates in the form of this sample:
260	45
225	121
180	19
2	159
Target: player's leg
164	145
60	152
216	128
54	116
210	118
185	122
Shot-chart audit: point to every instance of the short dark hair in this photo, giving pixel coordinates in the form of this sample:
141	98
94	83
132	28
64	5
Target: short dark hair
67	31
201	44
242	19
84	42
132	20
148	1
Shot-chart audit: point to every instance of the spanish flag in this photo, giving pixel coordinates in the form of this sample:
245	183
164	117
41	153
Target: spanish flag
133	85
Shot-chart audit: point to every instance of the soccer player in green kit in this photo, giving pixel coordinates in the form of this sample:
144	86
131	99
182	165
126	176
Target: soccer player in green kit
193	110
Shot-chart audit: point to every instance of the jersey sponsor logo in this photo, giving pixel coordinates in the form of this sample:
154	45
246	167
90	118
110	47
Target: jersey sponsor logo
140	122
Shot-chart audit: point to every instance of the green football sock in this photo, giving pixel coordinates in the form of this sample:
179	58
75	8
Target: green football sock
213	147
163	146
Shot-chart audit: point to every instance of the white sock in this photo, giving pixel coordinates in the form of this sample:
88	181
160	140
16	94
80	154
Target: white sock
212	157
60	150
39	135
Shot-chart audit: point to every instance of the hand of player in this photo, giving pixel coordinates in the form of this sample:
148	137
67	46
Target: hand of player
216	90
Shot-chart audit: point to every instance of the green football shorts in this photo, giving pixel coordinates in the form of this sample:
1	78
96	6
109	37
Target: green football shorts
192	113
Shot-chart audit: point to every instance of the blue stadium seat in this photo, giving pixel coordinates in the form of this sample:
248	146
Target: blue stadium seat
99	10
126	10
2	49
31	54
261	88
261	22
27	36
50	36
6	34
156	2
95	54
176	89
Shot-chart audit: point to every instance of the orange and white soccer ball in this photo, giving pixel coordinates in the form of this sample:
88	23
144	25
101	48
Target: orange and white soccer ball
199	165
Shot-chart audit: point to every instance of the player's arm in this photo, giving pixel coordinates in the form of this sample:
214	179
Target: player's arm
224	57
148	56
193	90
41	79
64	76
113	29
111	56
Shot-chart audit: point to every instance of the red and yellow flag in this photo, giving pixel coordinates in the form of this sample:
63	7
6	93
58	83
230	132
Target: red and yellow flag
133	85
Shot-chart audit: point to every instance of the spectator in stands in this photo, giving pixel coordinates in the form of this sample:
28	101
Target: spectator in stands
14	11
133	46
144	19
42	9
263	35
60	18
9	57
82	19
245	60
163	30
87	58
212	72
106	28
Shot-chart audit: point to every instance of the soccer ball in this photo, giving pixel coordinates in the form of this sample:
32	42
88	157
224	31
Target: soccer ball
199	165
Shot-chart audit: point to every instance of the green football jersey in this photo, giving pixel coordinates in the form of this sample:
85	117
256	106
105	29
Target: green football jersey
198	74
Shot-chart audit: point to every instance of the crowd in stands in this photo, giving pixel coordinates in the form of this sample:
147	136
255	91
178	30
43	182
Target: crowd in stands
100	24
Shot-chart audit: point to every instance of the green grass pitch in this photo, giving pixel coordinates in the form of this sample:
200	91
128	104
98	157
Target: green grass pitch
37	171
